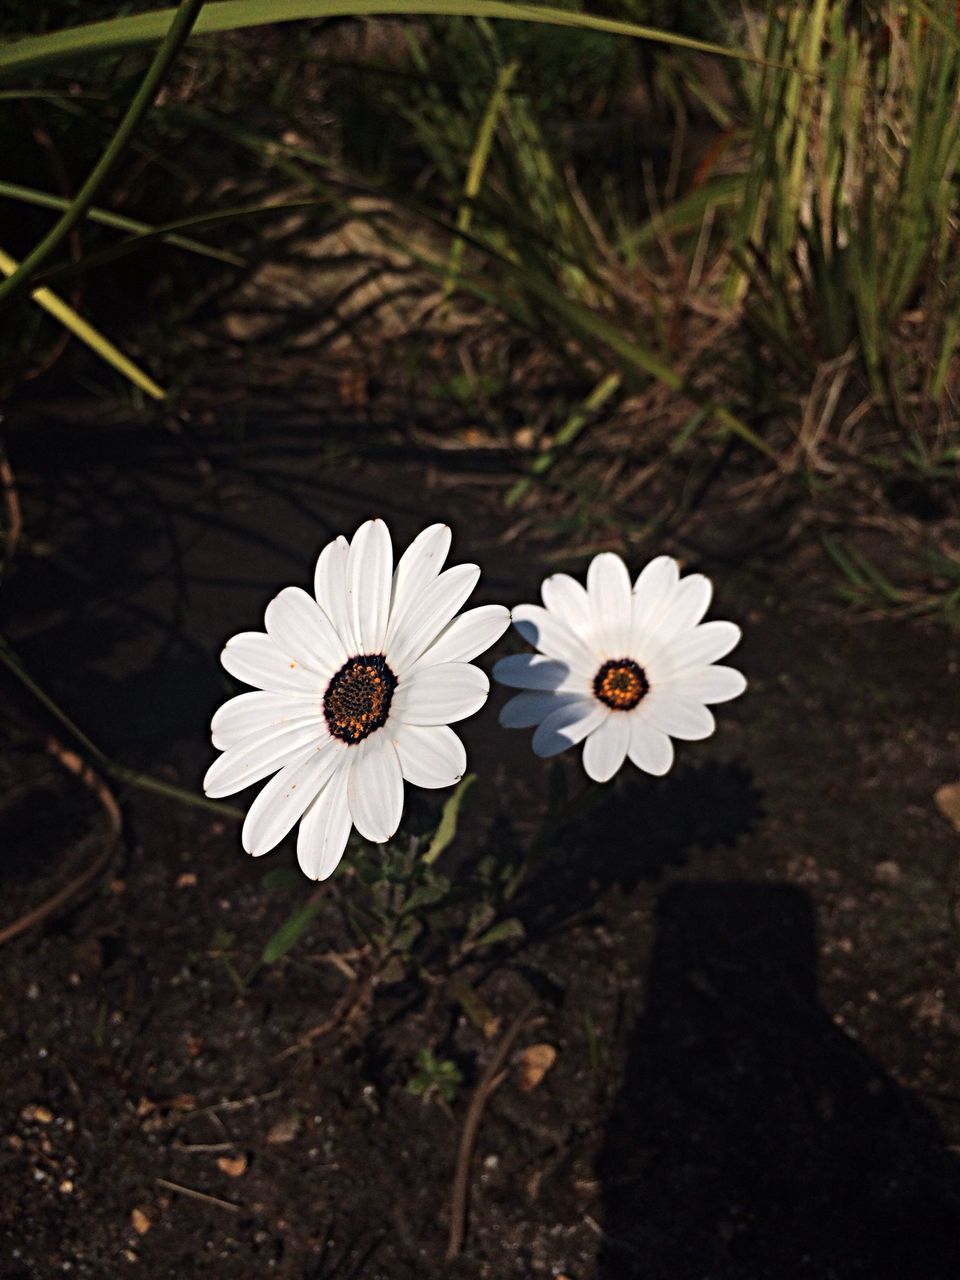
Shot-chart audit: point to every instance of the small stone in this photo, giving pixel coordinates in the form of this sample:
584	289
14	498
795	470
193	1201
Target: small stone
887	873
930	1007
37	1113
284	1131
186	880
66	1187
947	800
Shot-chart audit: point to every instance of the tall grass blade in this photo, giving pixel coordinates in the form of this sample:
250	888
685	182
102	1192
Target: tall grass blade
55	306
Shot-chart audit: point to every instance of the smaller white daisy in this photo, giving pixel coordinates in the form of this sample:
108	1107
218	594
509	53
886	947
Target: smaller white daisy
357	686
626	669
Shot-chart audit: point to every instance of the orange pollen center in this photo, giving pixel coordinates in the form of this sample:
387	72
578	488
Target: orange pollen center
358	697
620	684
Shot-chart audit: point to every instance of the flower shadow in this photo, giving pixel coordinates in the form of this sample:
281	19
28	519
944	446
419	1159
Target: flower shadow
637	829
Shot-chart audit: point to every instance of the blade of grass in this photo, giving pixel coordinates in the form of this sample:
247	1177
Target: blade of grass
44	200
571	428
177	30
475	170
55	306
114	34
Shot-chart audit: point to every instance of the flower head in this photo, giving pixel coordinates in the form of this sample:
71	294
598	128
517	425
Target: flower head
357	686
623	668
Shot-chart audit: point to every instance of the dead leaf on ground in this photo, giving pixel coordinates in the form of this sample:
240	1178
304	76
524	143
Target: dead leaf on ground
534	1063
947	800
232	1166
142	1220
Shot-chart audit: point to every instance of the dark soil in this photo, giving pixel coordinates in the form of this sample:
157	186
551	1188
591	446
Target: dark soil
749	969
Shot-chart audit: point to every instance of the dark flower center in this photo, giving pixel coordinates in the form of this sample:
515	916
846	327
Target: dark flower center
621	683
358	697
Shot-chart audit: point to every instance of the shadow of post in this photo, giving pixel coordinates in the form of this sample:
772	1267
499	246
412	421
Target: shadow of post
752	1138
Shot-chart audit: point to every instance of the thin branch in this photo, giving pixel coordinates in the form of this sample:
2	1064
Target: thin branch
73	764
491	1079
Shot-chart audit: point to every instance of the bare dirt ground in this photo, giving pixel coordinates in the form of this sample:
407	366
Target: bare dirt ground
749	969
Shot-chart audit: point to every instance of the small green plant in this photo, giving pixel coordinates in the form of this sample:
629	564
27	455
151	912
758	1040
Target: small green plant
435	1078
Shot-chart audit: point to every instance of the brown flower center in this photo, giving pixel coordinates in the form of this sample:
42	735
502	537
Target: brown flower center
621	683
358	697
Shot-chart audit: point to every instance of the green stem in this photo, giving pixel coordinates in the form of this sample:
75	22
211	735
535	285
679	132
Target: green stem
13	664
121	772
144	782
183	20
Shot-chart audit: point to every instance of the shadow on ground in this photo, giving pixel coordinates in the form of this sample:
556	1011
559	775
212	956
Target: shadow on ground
752	1137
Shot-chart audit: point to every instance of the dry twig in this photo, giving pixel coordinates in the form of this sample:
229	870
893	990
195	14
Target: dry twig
491	1080
75	765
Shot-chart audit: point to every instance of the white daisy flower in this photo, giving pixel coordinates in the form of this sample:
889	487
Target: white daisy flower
356	691
626	669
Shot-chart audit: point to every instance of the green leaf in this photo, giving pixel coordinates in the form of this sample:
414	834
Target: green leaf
509	930
426	895
447	827
291	931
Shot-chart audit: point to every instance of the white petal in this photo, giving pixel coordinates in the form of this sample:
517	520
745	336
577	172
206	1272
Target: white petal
554	638
301	629
468	635
534	671
652	594
418	566
568	600
253	658
606	748
256	757
440	695
689	602
286	797
325	828
567	725
429	614
330	588
608	586
704	684
527	709
369	584
706	643
256	713
650	750
680	717
430	755
375	788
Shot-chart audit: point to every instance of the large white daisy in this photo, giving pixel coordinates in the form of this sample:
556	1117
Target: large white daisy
356	690
625	668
